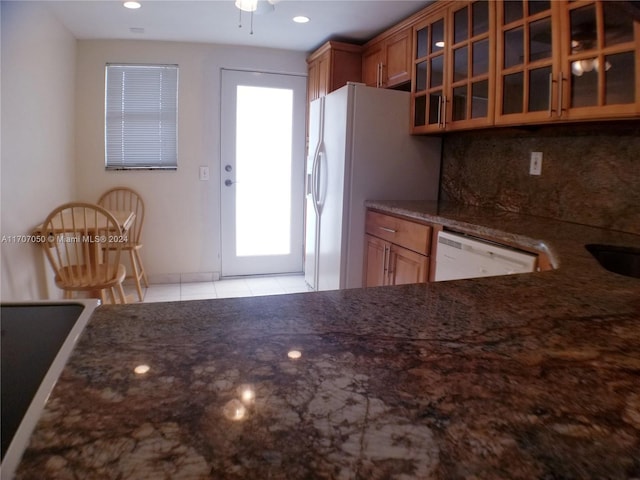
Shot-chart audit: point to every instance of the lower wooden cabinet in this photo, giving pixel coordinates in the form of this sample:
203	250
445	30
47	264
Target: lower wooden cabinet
387	261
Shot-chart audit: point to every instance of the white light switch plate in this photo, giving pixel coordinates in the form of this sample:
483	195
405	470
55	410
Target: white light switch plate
535	165
204	173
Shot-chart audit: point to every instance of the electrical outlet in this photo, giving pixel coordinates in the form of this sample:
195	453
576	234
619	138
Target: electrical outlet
204	173
535	165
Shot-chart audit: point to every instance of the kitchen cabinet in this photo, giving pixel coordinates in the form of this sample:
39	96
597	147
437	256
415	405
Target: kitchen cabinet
396	250
331	67
386	60
453	64
566	61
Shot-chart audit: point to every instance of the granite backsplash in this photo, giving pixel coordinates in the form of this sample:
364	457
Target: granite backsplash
590	173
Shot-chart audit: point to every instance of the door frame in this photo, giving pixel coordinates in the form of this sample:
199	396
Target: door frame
298	169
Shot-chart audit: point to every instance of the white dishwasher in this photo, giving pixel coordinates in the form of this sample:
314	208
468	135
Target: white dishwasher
460	256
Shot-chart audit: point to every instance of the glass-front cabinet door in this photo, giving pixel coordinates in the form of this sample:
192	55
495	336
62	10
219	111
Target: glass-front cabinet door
526	72
556	60
600	42
471	82
453	64
428	94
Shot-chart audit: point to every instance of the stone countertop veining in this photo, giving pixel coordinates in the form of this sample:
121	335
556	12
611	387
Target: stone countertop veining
532	376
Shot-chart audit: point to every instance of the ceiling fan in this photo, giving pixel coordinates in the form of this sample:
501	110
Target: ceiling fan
258	7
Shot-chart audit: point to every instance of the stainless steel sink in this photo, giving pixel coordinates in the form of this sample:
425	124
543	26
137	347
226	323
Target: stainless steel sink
621	260
37	340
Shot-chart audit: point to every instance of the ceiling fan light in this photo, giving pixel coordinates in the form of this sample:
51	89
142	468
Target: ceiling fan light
132	5
300	19
247	5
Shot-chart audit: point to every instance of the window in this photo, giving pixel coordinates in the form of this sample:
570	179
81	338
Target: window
141	117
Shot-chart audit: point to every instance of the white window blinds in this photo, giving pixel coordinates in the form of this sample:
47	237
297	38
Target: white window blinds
141	116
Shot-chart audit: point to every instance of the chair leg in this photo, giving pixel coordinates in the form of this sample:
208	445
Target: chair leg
103	297
136	272
68	294
123	298
112	295
142	270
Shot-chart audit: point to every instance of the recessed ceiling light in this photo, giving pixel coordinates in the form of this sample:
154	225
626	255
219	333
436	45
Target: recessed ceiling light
132	5
301	19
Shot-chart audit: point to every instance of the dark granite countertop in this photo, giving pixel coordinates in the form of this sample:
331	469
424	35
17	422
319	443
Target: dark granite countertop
532	376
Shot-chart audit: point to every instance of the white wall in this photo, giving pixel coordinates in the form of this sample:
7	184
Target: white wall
181	231
37	150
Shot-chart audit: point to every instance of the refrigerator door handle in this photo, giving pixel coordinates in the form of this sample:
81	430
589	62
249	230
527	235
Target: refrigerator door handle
314	181
317	183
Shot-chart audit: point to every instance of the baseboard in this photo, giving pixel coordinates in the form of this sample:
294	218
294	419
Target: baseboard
164	278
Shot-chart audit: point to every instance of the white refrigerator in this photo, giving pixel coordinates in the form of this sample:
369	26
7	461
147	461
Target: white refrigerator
359	149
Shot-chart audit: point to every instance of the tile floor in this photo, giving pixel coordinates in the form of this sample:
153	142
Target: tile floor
234	287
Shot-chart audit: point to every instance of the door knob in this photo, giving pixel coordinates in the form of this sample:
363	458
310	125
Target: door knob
228	182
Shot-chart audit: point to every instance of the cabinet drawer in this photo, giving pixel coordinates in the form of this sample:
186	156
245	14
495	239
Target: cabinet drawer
407	234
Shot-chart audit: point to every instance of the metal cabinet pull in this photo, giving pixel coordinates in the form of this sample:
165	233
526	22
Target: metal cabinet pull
550	94
444	111
439	110
389	230
560	91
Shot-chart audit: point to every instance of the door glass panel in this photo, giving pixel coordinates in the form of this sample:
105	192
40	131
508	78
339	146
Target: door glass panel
420	113
539	89
620	78
459	103
421	76
479	99
512	93
513	47
437	36
618	24
460	64
540	40
263	195
584	83
422	42
583	29
434	108
437	68
537	6
480	17
460	25
480	64
512	11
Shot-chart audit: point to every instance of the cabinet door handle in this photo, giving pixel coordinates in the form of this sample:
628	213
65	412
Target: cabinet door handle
550	94
384	264
439	111
444	111
389	230
560	91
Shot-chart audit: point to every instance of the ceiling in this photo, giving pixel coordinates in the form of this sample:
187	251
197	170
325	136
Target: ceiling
217	21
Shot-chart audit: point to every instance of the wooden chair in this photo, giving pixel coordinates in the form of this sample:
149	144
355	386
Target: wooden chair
123	198
79	245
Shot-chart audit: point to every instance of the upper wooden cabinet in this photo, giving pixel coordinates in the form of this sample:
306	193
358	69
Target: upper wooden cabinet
475	64
386	60
331	67
513	62
453	64
566	61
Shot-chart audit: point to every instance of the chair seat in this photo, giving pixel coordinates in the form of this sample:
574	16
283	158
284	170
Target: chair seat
85	280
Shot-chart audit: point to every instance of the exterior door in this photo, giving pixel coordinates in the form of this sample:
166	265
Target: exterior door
262	172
